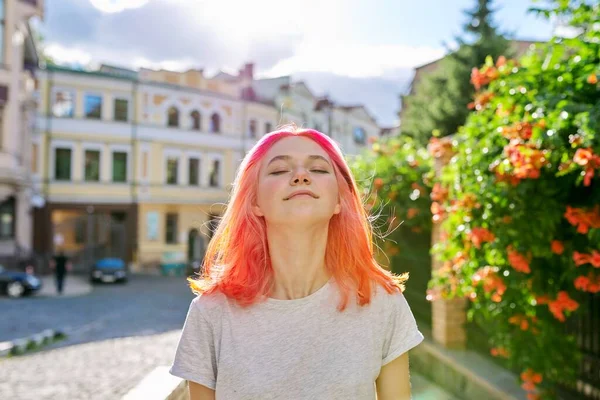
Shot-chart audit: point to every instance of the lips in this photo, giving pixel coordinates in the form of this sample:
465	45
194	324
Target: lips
301	192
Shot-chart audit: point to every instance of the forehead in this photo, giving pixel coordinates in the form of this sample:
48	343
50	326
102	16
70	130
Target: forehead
296	147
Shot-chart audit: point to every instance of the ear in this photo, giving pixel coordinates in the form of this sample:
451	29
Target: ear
337	208
257	211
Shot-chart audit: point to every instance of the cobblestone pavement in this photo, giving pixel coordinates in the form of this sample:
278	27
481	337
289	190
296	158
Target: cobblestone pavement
100	370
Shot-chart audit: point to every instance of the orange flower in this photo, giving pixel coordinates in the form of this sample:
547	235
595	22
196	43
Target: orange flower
518	261
563	302
533	396
439	193
557	247
530	375
480	235
582	219
544	299
507	219
440	148
583	156
520	130
412	212
378	183
501	61
582	283
589	283
582	258
438	212
592	79
481	100
499	352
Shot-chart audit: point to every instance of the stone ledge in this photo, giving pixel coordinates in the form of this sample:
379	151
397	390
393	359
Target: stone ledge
464	373
159	385
21	346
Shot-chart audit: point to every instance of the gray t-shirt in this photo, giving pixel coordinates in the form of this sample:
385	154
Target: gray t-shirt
294	349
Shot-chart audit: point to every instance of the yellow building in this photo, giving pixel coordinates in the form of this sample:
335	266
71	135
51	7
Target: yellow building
138	164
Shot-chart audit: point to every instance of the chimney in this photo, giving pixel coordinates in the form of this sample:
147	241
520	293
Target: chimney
248	71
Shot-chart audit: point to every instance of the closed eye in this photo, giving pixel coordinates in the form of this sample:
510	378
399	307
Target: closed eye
320	171
277	172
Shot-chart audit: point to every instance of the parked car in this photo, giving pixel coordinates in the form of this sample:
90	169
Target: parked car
18	283
109	270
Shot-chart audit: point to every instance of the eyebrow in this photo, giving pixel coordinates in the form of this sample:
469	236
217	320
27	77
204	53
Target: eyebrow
287	158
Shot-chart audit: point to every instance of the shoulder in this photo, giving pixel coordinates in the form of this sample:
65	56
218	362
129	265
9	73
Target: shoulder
209	305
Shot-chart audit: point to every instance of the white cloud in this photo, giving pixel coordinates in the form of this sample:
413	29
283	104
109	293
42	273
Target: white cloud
115	6
354	60
68	55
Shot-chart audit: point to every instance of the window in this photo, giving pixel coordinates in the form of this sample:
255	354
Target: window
80	230
34	157
215	123
173	117
194	172
145	165
360	137
215	174
92	165
1	125
252	128
172	165
93	106
171	229
62	164
119	166
196	120
268	127
2	26
64	104
7	218
121	110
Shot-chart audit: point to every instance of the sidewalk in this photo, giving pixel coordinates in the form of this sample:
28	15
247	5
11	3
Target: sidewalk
74	285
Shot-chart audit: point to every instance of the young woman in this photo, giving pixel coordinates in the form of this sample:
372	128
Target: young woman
291	303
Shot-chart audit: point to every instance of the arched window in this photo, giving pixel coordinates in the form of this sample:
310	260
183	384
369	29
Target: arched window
215	123
196	120
173	117
252	128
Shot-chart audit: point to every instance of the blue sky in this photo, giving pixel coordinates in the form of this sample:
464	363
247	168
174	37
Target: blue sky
357	51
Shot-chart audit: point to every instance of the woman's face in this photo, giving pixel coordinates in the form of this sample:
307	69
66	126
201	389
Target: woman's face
297	184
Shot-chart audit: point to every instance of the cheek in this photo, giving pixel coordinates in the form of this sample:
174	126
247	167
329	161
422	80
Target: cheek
267	190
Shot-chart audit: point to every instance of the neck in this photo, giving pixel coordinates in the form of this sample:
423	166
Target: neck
298	260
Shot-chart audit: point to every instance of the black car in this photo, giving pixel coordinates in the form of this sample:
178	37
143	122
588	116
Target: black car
109	270
18	283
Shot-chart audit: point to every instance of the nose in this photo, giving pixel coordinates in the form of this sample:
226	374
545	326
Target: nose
300	177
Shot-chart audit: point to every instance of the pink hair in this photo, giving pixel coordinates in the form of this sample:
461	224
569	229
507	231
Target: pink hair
237	259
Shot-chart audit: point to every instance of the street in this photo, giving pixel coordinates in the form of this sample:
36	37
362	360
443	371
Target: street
116	335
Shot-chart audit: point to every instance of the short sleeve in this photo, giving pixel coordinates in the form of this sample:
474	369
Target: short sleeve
402	333
195	358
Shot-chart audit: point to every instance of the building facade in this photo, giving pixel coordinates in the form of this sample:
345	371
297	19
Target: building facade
138	164
18	59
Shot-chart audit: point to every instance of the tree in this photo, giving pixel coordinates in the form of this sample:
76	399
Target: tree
441	98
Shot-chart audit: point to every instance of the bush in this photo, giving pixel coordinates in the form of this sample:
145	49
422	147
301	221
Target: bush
522	214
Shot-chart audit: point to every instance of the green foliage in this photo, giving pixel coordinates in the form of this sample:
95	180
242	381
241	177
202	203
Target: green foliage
522	206
396	176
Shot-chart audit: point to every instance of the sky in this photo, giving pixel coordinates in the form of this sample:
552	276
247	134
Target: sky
355	51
